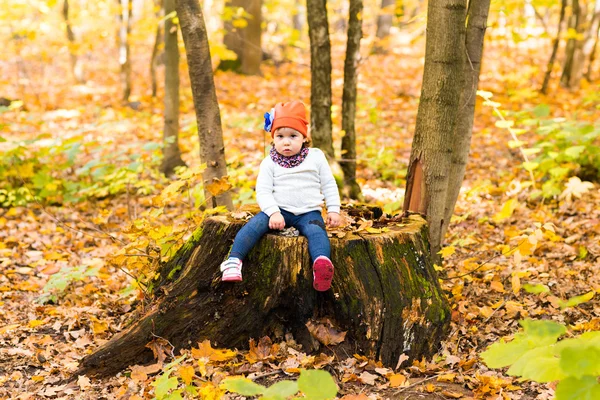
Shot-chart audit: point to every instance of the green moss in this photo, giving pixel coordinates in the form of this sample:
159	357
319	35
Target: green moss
173	271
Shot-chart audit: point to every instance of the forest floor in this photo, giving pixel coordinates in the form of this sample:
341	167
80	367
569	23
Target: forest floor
41	343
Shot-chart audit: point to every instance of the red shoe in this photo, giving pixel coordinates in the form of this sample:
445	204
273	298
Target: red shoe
322	273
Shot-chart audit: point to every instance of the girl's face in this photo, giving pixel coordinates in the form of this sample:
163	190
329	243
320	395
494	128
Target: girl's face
288	141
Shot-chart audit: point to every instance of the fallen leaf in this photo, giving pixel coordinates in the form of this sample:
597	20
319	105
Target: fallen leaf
83	382
187	373
205	350
397	380
325	334
139	373
161	349
368	378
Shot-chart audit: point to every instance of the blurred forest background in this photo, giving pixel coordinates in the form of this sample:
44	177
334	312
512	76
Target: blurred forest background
94	131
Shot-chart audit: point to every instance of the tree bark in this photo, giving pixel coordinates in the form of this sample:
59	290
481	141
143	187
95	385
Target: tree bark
477	16
208	115
437	115
320	76
245	41
76	68
588	74
126	7
385	293
591	40
385	18
550	66
298	17
348	159
171	152
158	40
571	70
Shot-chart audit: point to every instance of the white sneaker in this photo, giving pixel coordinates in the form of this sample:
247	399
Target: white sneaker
231	270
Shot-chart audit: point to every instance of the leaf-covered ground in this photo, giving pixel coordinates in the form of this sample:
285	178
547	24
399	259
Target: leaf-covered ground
508	257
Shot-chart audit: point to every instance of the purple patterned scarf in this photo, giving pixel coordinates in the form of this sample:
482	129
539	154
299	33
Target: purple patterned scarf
288	162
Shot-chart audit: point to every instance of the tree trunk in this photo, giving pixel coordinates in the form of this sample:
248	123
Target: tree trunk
568	78
385	18
171	152
477	16
208	115
158	39
252	55
320	76
385	293
437	115
126	7
348	159
550	66
298	17
76	68
591	39
588	74
245	41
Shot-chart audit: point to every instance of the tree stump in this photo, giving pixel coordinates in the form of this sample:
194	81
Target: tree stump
385	293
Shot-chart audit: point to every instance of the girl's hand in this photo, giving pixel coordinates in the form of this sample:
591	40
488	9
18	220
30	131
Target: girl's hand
333	219
276	221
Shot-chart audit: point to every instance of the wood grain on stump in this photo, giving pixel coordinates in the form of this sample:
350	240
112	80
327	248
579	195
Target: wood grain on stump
385	293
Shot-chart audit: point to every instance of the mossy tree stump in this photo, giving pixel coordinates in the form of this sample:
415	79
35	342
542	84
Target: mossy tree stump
385	293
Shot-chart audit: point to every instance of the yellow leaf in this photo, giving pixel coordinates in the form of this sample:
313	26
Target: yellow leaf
504	124
516	283
35	322
446	378
98	327
484	94
205	350
38	378
218	186
208	391
187	374
447	251
8	328
507	210
372	230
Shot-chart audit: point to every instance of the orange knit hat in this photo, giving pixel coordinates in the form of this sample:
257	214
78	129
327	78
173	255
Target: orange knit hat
290	115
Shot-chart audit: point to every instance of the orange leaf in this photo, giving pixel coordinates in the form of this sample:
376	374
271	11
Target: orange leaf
325	334
397	380
161	348
497	286
218	186
187	374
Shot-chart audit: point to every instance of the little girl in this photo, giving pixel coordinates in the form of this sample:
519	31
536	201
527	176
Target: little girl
292	183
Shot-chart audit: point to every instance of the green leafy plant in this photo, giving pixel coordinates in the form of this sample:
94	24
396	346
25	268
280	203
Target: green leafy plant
49	171
561	148
58	282
536	354
313	384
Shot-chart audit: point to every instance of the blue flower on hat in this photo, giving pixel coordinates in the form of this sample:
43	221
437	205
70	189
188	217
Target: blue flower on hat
269	117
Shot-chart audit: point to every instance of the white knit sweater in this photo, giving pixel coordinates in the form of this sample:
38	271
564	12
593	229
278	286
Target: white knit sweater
299	189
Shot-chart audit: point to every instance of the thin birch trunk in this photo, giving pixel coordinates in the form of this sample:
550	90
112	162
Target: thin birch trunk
588	74
550	66
208	115
385	18
252	49
437	115
320	74
348	159
245	42
171	152
76	68
124	49
477	15
570	52
591	39
158	40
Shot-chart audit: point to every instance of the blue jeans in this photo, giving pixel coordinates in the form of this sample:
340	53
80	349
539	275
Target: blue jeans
310	225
